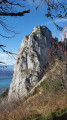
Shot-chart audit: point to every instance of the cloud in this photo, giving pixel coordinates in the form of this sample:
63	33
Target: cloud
61	20
3	55
8	60
57	21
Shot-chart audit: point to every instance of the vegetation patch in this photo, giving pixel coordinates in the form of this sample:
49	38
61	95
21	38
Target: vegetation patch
35	90
45	101
38	117
26	71
5	94
58	114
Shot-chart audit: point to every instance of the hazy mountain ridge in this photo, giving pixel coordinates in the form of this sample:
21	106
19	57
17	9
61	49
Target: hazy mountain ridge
6	71
6	74
6	67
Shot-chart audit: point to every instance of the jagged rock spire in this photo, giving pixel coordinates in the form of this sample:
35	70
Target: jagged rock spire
32	56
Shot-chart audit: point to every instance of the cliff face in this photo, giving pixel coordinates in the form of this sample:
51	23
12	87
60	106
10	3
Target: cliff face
32	56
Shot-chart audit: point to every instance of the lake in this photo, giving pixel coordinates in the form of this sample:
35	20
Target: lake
5	82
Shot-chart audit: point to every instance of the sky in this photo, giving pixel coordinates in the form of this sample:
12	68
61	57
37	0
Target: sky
24	26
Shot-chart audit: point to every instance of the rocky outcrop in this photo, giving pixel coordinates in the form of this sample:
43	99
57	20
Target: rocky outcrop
32	56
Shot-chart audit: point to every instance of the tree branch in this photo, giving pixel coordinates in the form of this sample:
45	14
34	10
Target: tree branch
14	14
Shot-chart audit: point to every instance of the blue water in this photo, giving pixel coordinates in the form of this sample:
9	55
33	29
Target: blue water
5	82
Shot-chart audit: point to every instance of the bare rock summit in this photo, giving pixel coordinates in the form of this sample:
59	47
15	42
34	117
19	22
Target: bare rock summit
31	59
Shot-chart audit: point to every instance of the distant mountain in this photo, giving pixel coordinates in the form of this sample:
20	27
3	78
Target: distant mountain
6	74
7	67
6	71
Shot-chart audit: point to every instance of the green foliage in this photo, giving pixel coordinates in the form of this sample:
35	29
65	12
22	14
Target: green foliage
51	84
57	86
45	85
45	101
38	117
58	114
5	94
35	91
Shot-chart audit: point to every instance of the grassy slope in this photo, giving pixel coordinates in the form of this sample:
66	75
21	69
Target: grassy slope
47	102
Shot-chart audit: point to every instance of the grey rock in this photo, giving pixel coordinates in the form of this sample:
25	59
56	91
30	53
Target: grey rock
32	56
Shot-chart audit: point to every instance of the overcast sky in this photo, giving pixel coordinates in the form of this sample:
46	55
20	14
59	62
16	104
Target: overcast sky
24	26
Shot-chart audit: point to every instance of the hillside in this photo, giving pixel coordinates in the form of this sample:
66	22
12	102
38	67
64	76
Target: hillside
33	57
38	90
47	101
55	79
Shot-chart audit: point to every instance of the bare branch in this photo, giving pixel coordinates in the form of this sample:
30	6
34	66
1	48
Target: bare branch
7	36
14	14
55	9
7	52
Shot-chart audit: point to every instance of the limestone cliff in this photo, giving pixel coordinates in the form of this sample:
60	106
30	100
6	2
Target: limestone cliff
32	56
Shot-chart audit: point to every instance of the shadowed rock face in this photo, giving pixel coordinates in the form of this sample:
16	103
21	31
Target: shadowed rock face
32	56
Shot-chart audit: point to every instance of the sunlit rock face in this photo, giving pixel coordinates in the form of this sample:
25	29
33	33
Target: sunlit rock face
32	56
